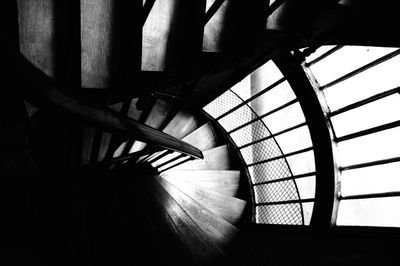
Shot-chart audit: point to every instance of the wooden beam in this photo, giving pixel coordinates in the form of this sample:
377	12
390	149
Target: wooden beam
42	90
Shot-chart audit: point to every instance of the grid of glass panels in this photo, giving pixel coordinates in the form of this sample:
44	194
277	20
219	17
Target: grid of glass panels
361	89
263	117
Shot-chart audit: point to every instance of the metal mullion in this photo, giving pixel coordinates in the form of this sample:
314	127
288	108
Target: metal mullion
368	164
365	101
281	156
270	87
284	202
324	55
361	69
284	179
371	195
273	135
264	115
369	131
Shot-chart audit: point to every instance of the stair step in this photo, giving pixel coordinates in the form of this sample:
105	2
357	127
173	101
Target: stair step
182	124
167	232
222	181
195	239
203	138
214	159
219	230
227	207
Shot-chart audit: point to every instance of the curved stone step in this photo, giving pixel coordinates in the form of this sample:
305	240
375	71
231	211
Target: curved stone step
182	124
187	230
219	230
227	207
202	138
214	159
222	181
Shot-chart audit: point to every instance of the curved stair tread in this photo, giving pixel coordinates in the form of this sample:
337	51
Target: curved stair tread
218	229
182	124
202	138
167	232
222	181
195	239
227	207
214	159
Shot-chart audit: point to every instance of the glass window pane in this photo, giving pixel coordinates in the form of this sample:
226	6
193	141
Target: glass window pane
257	81
237	118
276	169
377	146
222	104
242	88
279	214
334	66
380	78
373	114
301	163
279	191
250	133
374	179
260	151
307	211
285	118
320	51
294	140
273	99
306	187
370	212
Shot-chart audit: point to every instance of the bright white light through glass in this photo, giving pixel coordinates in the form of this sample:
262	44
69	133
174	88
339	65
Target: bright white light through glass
377	146
345	60
370	115
380	78
374	179
373	147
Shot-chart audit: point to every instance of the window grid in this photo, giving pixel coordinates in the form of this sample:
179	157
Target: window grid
358	213
264	158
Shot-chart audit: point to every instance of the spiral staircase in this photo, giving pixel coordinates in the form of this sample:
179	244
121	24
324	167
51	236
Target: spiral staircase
198	199
141	174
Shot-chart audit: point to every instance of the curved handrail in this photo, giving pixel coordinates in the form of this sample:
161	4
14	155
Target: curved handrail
42	90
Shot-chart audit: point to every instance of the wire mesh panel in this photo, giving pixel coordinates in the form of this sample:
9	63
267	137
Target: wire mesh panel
237	118
252	132
260	150
222	104
278	191
279	214
272	170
